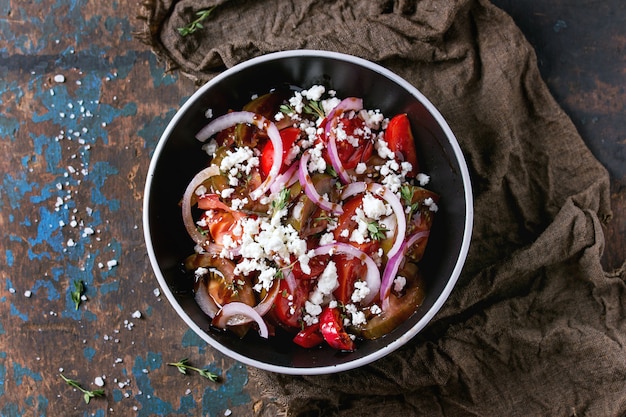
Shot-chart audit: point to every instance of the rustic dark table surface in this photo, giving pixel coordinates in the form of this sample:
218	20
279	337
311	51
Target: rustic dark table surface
82	105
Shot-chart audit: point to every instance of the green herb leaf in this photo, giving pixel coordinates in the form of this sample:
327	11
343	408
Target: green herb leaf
183	366
77	292
87	394
377	230
286	109
281	201
314	108
195	24
406	192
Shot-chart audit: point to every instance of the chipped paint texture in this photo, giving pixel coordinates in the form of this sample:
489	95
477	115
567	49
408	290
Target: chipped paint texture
82	105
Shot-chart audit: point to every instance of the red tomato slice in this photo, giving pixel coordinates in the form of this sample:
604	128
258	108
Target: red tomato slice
349	154
346	222
288	306
220	219
400	140
289	136
309	336
349	270
333	332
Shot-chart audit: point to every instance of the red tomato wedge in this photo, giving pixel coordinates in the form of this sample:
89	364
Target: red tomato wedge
333	331
219	219
289	136
349	270
309	336
288	306
400	140
349	154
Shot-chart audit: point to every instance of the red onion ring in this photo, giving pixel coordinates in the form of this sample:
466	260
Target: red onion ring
372	278
309	188
347	104
391	269
206	303
290	279
389	197
235	118
236	313
268	301
286	179
188	221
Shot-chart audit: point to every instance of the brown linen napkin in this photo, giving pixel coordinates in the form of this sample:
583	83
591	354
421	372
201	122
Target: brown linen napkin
534	325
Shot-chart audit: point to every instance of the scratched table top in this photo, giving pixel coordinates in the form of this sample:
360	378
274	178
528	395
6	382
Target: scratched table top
82	105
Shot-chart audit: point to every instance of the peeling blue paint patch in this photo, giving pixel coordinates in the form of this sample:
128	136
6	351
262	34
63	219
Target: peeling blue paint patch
89	353
150	404
191	339
230	392
53	294
16	188
159	77
3	375
19	372
8	254
109	287
97	413
17	313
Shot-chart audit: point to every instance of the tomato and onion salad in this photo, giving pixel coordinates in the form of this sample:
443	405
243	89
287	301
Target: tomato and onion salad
310	217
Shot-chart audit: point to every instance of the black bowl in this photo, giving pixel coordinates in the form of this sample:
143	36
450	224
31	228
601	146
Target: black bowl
178	157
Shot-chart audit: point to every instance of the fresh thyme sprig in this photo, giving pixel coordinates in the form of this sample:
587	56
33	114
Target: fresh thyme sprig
406	192
376	230
281	201
87	394
77	293
183	366
196	24
287	109
312	107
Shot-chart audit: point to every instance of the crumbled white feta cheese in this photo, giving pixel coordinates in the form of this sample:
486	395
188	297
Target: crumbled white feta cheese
375	208
210	147
383	149
430	203
327	238
399	283
361	290
423	179
314	93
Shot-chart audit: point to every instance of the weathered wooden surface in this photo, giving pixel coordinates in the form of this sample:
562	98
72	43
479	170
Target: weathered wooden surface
75	154
581	51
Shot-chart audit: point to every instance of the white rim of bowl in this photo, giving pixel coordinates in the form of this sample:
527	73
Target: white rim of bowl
385	350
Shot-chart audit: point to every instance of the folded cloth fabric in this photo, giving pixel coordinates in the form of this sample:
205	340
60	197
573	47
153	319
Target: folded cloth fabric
534	325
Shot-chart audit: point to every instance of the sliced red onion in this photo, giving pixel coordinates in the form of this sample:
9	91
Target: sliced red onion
286	179
188	221
309	188
347	104
236	313
268	301
290	279
238	117
372	278
393	264
389	197
206	303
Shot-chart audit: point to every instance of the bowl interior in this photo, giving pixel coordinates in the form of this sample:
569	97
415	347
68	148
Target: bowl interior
179	157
